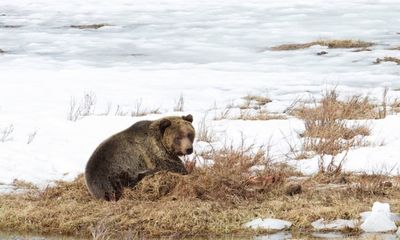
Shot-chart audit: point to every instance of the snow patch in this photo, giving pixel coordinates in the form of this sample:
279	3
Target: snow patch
338	224
379	219
268	223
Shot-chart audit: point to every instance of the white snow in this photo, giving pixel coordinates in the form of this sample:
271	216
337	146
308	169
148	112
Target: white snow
379	219
211	52
268	223
338	224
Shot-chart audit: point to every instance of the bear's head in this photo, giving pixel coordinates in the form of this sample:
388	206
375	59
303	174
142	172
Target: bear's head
177	134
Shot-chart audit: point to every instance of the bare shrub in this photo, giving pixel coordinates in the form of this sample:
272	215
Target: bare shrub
31	137
107	111
179	104
5	133
140	111
224	113
355	107
204	132
120	112
84	108
327	131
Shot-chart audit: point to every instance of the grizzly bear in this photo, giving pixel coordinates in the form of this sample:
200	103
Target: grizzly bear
143	149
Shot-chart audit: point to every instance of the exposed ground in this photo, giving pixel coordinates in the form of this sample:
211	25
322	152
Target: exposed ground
179	206
348	43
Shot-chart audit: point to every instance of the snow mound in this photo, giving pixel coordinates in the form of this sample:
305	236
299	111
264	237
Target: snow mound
268	223
379	219
338	224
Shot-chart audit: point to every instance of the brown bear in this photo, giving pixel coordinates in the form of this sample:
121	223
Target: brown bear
143	149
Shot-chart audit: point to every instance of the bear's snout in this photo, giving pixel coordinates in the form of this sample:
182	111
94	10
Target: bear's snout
189	150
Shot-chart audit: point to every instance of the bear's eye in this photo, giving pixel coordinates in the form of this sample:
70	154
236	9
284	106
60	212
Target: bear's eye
190	136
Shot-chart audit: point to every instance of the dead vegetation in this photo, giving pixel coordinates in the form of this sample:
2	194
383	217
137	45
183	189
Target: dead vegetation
204	131
327	43
387	59
87	106
89	26
179	104
252	108
211	201
6	133
327	131
394	48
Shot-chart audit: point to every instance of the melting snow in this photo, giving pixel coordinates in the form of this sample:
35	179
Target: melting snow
268	223
379	219
338	224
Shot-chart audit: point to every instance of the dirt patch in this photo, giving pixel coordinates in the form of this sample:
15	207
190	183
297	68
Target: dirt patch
327	43
90	26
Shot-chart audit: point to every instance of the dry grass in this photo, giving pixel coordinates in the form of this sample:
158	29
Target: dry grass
6	133
387	59
394	48
253	107
354	107
179	104
327	131
363	50
257	115
328	43
212	200
89	26
260	100
180	206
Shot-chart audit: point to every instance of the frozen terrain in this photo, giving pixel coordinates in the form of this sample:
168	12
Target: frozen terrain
210	52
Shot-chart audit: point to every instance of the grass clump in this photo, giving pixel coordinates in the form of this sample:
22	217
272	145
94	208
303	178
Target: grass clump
387	59
330	107
327	131
327	43
252	108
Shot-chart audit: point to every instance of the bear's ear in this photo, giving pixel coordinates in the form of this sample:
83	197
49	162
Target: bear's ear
188	118
164	124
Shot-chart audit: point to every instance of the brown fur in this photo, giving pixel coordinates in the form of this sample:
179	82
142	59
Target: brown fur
143	149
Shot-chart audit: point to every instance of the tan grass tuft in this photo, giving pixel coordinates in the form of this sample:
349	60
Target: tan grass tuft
387	59
328	43
326	130
331	108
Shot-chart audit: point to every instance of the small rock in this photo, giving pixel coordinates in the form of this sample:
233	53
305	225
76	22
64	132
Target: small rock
322	53
293	189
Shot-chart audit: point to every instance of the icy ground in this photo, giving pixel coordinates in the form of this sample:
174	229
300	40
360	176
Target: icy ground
210	52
